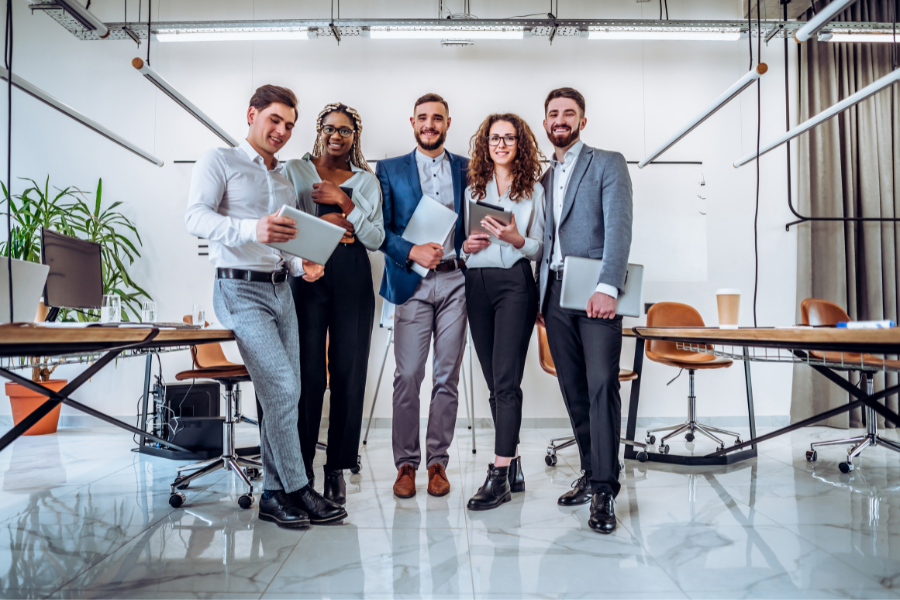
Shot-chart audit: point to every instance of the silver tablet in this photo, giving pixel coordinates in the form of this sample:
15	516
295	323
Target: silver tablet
480	210
316	239
580	277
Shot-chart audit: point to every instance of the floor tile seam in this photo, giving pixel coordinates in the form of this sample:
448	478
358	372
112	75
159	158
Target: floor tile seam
646	550
466	523
280	567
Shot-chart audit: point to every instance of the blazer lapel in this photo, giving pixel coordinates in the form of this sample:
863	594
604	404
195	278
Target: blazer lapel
412	173
458	188
578	171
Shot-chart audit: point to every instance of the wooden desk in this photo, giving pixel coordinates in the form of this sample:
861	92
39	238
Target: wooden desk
27	341
799	342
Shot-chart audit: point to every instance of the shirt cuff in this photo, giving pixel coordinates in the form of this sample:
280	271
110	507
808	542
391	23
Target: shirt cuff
607	289
295	266
530	248
356	217
248	230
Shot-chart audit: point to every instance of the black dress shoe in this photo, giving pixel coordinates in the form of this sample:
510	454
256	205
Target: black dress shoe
494	492
516	478
279	508
335	487
320	510
603	513
579	494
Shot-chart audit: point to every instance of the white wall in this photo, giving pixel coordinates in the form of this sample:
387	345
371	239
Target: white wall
637	93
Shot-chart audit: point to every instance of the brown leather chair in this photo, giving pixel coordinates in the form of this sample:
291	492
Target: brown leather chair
210	363
674	314
823	312
549	366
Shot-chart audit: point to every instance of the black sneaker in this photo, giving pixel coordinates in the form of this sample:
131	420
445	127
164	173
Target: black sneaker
320	510
579	494
279	508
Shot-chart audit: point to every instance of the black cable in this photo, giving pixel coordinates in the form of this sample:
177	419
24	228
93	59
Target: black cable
787	102
750	35
660	10
149	12
8	59
667	9
758	139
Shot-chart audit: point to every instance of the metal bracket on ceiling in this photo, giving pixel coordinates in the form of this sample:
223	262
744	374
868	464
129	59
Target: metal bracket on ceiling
132	34
337	34
553	27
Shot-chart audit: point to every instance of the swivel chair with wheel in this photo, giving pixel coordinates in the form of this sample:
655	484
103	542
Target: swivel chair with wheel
549	367
210	363
674	314
823	312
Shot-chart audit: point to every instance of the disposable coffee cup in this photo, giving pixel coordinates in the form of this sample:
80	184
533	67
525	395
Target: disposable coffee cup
729	301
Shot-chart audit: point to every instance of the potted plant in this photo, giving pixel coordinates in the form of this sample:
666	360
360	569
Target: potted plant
68	213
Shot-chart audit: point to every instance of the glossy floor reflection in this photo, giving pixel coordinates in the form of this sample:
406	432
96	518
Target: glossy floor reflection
83	517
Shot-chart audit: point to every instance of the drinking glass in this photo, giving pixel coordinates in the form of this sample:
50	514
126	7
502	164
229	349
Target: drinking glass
198	315
111	309
148	311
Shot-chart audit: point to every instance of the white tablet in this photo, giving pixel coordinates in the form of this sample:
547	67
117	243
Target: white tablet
580	277
316	239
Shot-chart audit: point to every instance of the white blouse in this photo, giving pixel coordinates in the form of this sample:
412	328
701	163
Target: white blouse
367	218
529	214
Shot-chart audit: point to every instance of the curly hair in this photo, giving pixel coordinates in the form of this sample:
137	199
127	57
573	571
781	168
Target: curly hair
355	156
526	167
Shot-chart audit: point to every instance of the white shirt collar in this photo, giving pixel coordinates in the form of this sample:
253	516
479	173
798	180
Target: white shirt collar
308	158
256	157
427	160
571	154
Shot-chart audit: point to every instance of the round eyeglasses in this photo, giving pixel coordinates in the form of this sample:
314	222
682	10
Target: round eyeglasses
345	133
509	140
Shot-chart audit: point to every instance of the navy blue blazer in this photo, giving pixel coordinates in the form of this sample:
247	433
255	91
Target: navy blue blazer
400	193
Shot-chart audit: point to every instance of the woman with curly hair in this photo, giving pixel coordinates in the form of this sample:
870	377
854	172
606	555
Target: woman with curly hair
336	312
501	296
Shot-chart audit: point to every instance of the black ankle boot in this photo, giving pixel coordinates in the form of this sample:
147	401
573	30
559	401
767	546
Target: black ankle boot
335	487
494	492
320	510
279	508
516	477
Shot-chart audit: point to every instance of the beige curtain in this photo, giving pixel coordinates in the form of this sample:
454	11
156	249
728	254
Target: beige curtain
845	170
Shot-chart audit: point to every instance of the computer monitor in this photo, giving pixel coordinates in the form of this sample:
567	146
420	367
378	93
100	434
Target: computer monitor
75	279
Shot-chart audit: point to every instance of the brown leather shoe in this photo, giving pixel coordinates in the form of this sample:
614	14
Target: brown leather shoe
405	486
437	480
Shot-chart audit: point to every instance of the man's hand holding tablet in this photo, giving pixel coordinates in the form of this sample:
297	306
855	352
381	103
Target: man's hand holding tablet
272	229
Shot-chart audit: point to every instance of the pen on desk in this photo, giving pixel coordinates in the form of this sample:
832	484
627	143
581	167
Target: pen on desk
867	325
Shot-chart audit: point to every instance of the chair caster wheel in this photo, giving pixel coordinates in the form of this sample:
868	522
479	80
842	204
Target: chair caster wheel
550	459
177	499
364	442
474	451
651	439
642	456
245	501
720	448
356	469
846	467
253	473
689	437
738	442
812	456
664	449
181	486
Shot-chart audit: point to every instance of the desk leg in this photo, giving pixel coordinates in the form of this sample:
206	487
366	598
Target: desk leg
750	411
146	401
631	423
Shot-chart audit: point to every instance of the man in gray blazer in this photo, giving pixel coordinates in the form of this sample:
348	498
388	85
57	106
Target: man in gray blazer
589	211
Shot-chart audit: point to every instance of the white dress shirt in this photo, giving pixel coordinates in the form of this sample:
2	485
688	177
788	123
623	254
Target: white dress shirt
436	178
561	173
367	217
231	189
529	214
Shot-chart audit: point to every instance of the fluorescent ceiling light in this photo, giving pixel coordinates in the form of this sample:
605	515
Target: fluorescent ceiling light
701	36
871	89
81	14
446	33
821	19
729	94
181	101
74	114
883	38
235	35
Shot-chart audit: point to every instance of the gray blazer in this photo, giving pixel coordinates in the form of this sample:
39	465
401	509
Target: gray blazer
596	216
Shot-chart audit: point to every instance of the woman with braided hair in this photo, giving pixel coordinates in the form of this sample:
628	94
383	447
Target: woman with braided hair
337	311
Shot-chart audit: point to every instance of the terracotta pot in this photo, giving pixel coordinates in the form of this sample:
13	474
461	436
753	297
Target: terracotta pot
25	401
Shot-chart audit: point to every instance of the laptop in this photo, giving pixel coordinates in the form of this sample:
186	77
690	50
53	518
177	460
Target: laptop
316	239
580	277
28	287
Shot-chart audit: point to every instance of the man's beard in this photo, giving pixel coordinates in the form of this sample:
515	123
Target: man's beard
564	141
434	145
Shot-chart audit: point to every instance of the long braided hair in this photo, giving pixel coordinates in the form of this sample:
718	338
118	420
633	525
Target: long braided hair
355	156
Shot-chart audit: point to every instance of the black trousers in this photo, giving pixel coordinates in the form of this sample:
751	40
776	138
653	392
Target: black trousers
338	309
586	353
502	305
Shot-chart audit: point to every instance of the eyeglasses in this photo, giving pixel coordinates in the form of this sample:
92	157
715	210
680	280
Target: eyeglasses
509	140
345	133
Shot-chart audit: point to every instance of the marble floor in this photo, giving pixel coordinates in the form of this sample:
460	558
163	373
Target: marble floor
83	517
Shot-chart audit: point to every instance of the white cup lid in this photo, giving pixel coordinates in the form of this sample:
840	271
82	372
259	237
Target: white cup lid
728	292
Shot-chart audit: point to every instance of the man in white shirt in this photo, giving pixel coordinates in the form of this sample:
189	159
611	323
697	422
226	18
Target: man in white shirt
590	213
234	197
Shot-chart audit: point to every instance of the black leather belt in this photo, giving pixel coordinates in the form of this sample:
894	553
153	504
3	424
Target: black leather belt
244	275
449	265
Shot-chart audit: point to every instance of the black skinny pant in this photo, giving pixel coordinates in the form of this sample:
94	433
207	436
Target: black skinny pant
586	354
502	305
341	306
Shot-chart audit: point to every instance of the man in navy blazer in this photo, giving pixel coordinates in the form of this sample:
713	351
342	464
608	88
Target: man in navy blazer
430	306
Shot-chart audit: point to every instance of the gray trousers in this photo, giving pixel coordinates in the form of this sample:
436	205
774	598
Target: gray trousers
438	309
264	323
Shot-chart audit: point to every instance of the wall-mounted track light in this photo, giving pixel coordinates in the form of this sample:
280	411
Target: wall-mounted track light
742	84
870	90
83	16
166	88
394	33
74	114
260	34
696	36
854	38
822	18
